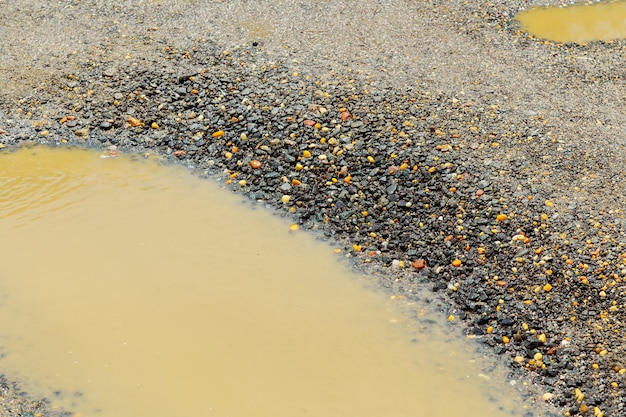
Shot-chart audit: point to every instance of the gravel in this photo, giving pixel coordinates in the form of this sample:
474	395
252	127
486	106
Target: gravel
449	150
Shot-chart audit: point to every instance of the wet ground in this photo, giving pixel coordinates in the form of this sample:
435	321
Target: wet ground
470	157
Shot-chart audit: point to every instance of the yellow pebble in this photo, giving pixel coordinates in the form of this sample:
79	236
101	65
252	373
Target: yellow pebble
357	248
501	217
154	125
306	154
597	412
505	339
294	227
242	183
370	158
489	329
450	317
299	167
538	356
519	359
614	384
218	134
542	338
579	395
285	199
547	287
549	203
456	263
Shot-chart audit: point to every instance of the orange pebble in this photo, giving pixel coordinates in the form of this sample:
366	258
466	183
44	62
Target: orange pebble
419	264
134	122
66	119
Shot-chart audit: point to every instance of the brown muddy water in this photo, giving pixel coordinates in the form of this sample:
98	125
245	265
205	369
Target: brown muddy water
580	23
131	288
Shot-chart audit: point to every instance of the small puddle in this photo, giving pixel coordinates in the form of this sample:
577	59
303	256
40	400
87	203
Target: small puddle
128	288
580	23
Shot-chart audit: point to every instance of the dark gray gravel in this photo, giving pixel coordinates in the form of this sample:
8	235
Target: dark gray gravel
509	212
14	402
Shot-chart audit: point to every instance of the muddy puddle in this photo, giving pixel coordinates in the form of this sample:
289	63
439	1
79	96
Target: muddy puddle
580	23
129	288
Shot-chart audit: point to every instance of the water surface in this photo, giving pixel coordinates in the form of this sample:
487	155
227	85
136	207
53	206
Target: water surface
580	23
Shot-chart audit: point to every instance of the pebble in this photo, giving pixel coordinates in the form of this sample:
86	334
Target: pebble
83	133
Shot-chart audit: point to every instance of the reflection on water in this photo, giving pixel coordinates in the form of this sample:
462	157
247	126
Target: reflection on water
128	288
581	23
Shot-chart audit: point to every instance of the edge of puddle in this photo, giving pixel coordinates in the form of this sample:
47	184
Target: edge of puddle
435	306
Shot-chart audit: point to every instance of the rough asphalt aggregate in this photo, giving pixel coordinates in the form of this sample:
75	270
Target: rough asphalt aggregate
503	199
